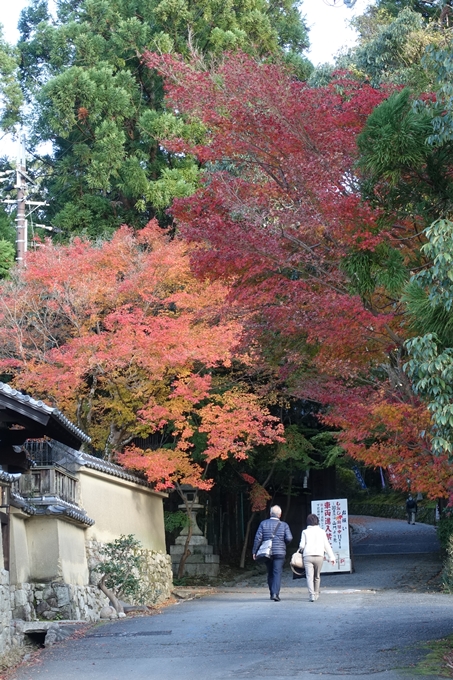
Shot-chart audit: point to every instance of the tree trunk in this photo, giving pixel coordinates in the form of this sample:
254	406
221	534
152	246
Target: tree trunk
249	523
288	498
116	604
187	553
246	540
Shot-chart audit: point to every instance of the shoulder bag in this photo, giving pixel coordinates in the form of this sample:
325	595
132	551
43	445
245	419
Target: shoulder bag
264	552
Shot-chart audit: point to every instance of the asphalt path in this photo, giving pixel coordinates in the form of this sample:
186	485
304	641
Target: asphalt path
357	632
394	537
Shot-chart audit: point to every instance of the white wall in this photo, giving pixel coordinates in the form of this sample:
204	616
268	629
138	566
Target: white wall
122	507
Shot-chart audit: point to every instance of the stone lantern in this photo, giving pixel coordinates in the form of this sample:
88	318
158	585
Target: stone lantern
201	561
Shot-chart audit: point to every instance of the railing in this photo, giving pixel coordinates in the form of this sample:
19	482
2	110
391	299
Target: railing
41	452
48	481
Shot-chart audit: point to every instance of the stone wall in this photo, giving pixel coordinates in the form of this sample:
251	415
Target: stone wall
55	601
5	612
156	577
155	574
58	601
26	602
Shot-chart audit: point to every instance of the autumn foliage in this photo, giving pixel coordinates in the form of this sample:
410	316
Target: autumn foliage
127	341
278	265
281	218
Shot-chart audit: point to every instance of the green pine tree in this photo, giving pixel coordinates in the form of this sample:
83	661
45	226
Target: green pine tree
101	108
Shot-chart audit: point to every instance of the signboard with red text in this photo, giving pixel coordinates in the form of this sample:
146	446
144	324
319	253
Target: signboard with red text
333	518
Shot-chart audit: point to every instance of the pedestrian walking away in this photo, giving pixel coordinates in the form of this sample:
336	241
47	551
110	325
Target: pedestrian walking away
280	534
411	509
314	545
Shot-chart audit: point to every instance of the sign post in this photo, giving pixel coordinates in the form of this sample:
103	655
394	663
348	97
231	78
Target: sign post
333	518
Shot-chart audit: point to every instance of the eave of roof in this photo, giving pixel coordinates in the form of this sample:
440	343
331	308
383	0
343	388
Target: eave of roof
111	469
86	460
50	505
41	407
7	477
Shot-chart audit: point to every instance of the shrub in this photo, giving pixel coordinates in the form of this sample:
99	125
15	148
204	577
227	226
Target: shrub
445	528
447	573
121	565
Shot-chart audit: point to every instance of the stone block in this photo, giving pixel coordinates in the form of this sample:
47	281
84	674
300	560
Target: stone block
50	614
47	592
210	570
195	559
212	559
42	607
20	613
194	549
195	540
62	593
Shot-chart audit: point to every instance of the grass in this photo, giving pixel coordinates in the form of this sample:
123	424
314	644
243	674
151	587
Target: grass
439	659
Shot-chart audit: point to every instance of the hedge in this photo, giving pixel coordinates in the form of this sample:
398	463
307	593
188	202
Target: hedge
425	515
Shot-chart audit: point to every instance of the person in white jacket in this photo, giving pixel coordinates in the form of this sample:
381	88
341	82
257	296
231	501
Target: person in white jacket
313	545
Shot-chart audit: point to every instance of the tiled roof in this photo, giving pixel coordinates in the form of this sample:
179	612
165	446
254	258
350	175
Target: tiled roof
7	477
50	505
110	468
62	454
20	502
40	406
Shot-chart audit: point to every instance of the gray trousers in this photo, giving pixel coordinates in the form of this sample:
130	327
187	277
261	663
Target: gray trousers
313	564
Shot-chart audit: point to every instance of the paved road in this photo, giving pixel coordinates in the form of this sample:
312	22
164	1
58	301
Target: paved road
245	635
394	536
352	632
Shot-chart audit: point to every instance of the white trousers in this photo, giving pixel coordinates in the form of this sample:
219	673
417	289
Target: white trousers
313	564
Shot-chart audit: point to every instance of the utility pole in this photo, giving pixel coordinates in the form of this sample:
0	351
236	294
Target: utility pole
22	202
21	186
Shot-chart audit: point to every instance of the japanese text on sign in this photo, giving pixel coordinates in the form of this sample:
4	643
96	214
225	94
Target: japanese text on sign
333	518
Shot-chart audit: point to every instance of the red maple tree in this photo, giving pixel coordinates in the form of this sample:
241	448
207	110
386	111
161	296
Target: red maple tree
128	342
277	217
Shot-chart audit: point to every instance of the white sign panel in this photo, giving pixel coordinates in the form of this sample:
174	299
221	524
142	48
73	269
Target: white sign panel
333	518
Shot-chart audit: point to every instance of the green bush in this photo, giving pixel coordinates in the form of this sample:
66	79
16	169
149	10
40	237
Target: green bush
121	566
445	528
447	573
346	483
426	514
174	521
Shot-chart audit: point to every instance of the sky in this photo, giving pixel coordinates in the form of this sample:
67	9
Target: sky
328	24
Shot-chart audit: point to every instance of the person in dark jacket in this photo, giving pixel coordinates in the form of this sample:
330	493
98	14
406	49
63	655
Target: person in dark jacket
281	537
411	510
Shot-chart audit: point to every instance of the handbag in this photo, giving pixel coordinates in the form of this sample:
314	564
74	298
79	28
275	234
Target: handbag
264	552
297	565
297	560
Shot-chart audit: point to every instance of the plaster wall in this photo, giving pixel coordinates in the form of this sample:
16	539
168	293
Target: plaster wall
122	507
19	570
57	551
